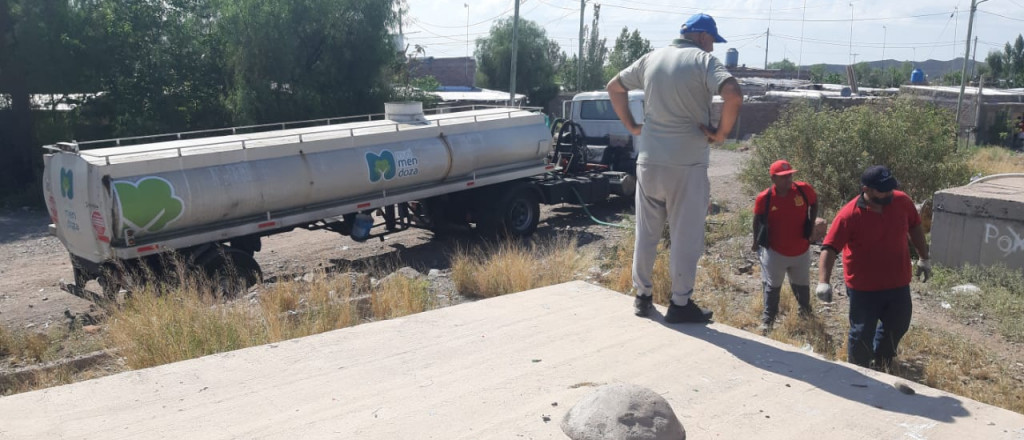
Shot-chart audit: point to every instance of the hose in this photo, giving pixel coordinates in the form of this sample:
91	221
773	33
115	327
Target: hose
584	205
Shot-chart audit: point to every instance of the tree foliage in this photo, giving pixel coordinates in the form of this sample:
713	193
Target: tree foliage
628	48
595	54
785	65
304	58
536	59
1007	67
831	148
152	66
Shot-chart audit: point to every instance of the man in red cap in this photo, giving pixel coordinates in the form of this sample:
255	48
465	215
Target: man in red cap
871	231
783	221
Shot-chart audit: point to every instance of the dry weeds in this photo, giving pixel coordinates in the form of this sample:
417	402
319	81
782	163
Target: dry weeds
514	266
996	160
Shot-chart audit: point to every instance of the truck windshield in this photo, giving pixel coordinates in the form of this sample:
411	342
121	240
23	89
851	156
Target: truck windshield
600	110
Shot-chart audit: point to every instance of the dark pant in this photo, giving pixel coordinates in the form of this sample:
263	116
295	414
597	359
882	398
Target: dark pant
878	320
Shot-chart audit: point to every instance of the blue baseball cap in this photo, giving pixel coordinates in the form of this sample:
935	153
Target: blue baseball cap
702	23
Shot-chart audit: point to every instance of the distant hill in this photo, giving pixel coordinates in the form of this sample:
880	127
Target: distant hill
931	68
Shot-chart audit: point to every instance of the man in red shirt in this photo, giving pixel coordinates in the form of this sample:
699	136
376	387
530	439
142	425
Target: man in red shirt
871	231
785	211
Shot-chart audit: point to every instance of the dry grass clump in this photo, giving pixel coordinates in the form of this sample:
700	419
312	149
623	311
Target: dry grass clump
158	326
30	346
996	160
515	266
958	365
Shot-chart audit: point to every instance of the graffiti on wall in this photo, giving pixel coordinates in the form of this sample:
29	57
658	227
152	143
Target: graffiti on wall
1008	242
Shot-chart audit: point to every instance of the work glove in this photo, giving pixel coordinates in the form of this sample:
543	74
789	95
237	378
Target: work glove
824	292
924	270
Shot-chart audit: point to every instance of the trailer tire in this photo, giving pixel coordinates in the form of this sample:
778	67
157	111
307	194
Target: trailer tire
514	214
231	271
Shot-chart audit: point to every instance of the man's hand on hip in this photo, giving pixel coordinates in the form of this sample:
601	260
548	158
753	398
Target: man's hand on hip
713	135
636	129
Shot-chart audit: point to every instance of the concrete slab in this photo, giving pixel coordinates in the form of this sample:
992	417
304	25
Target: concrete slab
495	369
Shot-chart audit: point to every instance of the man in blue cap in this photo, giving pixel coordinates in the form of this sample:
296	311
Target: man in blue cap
679	82
871	231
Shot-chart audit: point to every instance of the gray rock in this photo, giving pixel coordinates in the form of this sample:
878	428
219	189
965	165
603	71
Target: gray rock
406	272
434	273
622	411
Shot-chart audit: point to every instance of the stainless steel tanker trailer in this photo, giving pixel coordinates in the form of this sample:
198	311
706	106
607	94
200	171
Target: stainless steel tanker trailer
121	205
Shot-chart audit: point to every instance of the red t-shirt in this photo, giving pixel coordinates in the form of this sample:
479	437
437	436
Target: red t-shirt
876	255
786	218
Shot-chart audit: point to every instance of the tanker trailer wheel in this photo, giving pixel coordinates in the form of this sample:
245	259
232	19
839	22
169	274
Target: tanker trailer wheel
231	271
513	214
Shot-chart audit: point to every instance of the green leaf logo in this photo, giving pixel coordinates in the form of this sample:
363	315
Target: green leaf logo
381	166
149	204
67	184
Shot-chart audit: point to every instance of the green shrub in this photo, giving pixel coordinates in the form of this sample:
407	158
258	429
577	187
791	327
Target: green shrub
831	148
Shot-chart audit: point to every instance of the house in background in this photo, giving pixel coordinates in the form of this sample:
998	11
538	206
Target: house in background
458	82
450	72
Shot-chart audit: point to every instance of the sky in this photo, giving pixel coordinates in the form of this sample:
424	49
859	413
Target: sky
804	31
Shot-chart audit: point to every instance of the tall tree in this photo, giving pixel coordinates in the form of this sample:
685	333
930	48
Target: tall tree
40	52
595	51
535	60
305	58
628	48
159	64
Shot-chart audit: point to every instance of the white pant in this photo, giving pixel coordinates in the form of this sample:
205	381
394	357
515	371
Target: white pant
681	196
775	266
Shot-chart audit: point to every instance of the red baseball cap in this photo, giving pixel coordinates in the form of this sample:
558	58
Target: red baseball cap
781	168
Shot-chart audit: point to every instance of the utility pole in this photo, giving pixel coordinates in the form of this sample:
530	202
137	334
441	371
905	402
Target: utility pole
974	58
855	58
885	33
579	58
800	58
768	35
467	44
851	34
977	110
515	50
967	54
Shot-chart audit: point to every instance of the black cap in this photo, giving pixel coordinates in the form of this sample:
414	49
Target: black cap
879	178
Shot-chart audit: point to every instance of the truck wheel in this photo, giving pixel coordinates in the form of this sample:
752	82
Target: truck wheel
231	271
514	214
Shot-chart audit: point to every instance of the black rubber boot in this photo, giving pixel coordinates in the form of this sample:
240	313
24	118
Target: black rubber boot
803	298
771	307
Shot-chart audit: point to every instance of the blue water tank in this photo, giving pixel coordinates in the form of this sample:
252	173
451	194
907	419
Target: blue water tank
732	58
917	77
846	92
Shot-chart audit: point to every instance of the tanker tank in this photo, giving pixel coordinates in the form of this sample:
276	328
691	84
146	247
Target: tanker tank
114	195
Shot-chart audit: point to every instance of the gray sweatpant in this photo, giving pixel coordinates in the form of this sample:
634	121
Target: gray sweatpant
775	267
679	195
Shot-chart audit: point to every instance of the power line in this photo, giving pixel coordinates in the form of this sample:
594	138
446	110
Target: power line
866	44
507	10
818	20
999	15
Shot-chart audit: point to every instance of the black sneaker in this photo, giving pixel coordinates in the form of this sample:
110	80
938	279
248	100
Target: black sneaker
642	305
688	313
